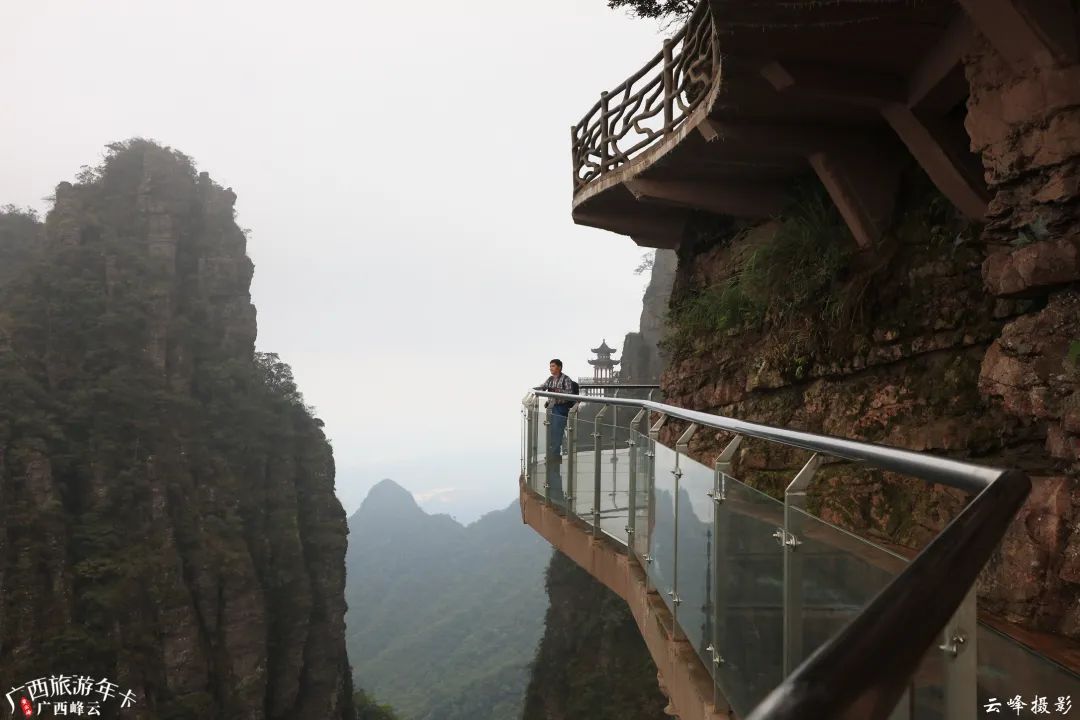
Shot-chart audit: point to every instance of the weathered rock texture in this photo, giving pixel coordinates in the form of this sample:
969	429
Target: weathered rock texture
1024	120
642	360
169	512
967	347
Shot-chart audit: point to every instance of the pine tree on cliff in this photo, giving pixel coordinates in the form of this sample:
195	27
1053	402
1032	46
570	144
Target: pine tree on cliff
169	517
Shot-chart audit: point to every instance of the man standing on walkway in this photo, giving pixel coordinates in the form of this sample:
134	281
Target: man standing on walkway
558	383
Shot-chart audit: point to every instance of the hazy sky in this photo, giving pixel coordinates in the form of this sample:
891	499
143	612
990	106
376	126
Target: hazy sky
404	168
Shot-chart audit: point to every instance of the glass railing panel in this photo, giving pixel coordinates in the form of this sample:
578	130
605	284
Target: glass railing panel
616	482
619	418
556	476
585	489
928	686
583	483
538	477
615	492
1007	669
840	574
579	472
539	445
696	547
642	498
586	415
660	564
558	453
750	594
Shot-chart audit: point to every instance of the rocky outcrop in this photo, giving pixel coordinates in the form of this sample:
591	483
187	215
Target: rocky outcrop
642	359
1033	370
1024	121
960	343
170	519
914	353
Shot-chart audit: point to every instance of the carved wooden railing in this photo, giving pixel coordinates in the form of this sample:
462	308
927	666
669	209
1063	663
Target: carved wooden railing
650	104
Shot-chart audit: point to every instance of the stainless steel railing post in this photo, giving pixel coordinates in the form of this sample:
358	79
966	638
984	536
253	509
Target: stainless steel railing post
571	457
598	449
961	661
615	453
530	447
548	459
789	538
682	447
717	643
654	435
631	517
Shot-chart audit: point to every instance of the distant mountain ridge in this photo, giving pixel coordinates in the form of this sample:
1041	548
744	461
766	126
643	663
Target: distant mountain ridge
443	619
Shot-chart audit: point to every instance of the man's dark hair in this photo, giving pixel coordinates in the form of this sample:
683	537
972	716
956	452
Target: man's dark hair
557	361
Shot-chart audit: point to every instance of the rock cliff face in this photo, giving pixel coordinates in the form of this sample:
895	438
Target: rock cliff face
170	520
956	340
642	361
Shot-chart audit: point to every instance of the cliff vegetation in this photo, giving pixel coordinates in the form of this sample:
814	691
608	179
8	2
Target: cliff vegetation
784	322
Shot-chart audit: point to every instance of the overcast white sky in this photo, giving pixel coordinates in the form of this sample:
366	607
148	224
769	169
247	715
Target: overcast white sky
404	168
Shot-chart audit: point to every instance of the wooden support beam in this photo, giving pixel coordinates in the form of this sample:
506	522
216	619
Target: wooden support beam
746	199
862	182
777	139
938	83
1024	31
658	228
860	172
947	160
849	85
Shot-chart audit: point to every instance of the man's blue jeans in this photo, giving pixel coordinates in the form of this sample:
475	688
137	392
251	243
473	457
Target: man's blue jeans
556	429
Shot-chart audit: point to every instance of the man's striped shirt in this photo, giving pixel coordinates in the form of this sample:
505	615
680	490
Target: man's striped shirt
558	383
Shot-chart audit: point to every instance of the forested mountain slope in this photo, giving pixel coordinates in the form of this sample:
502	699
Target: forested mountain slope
169	513
443	619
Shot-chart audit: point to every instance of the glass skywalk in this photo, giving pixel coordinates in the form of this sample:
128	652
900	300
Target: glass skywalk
755	584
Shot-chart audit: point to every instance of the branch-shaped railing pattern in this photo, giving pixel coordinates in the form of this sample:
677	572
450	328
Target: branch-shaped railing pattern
650	104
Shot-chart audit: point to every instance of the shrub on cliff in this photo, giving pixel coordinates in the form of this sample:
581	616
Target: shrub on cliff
368	709
799	268
674	9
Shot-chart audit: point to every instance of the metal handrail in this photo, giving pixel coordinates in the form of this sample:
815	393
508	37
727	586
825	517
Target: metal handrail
620	386
861	672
